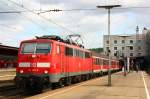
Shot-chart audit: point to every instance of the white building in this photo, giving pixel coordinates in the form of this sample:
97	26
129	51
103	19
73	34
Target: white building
124	45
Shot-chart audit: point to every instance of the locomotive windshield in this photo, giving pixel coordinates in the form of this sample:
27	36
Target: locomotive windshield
41	48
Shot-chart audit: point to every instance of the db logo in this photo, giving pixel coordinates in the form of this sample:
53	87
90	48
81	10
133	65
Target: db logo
33	64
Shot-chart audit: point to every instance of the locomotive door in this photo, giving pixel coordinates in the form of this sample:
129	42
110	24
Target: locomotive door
60	57
67	62
67	51
64	62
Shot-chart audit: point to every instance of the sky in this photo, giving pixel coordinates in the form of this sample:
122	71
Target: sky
90	24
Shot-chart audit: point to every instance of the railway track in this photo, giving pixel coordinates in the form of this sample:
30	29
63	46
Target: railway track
9	91
6	80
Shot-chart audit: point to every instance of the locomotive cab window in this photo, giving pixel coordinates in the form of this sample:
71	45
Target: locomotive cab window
33	48
28	48
43	48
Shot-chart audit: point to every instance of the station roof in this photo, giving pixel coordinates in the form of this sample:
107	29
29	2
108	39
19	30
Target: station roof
8	50
8	47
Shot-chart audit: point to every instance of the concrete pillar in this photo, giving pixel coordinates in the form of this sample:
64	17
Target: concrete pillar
128	64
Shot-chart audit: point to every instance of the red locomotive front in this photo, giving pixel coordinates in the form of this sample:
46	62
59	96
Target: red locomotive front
34	62
34	54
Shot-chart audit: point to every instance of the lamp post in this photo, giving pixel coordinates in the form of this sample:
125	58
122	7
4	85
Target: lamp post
109	7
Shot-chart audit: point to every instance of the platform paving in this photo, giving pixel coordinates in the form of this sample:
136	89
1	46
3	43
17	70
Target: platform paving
7	74
123	87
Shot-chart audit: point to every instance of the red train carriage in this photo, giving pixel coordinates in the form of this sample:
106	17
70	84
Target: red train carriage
105	64
101	65
113	64
118	67
97	65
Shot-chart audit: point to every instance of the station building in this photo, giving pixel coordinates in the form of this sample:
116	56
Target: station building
8	56
132	46
124	45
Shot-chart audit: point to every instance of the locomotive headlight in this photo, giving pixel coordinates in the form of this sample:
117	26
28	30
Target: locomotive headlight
45	71
33	56
21	71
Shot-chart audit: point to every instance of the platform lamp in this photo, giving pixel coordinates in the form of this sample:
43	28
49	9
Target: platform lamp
109	7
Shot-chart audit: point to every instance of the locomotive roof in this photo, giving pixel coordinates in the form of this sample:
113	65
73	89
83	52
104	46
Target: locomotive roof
35	40
62	43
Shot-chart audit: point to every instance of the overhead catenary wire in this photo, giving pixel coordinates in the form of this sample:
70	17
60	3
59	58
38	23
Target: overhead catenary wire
29	19
94	9
79	9
57	10
10	12
8	27
48	20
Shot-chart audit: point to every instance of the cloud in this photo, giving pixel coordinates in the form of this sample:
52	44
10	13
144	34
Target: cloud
90	24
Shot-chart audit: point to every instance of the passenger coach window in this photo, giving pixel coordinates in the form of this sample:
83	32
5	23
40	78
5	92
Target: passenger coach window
100	62
105	62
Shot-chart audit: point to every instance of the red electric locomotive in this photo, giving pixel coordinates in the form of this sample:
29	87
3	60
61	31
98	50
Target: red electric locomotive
51	61
47	60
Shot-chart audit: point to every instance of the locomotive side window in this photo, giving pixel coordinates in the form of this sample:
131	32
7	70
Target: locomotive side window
81	54
78	53
87	55
28	48
42	48
75	53
68	51
58	49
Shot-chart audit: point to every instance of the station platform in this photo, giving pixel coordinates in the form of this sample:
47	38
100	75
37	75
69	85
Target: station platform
7	69
7	74
133	86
